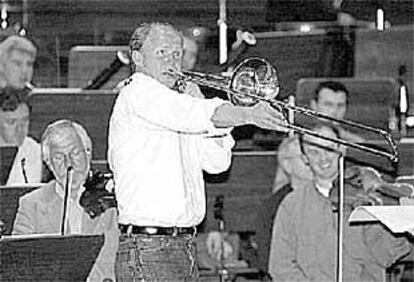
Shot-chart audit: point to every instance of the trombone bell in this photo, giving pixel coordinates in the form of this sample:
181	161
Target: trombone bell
255	77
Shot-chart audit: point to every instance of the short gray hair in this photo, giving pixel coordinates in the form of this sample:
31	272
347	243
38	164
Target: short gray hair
141	33
59	128
18	43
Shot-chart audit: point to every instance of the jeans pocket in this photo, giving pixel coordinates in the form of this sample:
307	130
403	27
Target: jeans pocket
128	266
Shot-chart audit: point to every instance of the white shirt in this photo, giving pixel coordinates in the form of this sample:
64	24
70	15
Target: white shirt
28	161
75	211
159	143
325	191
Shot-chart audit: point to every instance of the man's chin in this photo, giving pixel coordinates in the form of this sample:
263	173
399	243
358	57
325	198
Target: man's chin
76	183
328	174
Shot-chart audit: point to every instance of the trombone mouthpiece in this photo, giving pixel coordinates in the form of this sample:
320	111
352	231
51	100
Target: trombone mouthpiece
174	72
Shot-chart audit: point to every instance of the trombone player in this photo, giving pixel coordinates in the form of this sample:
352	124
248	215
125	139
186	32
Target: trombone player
162	135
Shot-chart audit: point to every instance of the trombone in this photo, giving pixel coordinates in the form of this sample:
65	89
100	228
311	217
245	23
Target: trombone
255	79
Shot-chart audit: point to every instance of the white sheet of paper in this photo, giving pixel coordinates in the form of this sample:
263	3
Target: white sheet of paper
397	218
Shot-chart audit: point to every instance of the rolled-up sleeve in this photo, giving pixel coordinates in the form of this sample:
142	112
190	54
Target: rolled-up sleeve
217	153
161	106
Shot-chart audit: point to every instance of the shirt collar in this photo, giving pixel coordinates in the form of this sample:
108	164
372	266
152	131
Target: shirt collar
324	190
60	191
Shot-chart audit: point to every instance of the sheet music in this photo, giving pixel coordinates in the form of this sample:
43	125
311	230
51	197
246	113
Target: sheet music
398	219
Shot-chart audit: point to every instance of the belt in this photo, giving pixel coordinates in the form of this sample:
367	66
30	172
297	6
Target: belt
156	230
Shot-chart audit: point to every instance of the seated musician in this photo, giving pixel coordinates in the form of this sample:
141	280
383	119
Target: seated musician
66	144
330	99
14	126
303	245
17	56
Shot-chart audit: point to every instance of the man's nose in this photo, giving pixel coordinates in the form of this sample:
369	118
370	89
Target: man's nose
21	126
325	156
26	70
331	112
68	162
170	59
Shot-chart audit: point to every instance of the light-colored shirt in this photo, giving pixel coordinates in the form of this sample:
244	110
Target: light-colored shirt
28	161
160	141
325	191
75	211
40	212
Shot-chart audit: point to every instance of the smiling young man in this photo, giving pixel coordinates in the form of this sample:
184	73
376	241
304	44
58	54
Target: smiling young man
303	245
330	98
161	138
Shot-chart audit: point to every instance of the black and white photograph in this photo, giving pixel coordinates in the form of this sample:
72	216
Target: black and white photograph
207	140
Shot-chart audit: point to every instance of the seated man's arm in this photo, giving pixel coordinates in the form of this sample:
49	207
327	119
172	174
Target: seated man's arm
25	221
384	247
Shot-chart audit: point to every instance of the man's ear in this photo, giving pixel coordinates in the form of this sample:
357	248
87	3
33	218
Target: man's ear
313	104
89	156
137	58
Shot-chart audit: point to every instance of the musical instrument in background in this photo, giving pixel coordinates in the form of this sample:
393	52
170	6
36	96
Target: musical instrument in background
365	186
96	199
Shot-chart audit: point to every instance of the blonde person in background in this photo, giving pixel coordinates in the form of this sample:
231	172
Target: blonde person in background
17	57
190	53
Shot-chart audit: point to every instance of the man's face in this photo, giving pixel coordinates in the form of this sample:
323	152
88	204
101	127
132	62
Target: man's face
322	155
66	151
162	51
18	68
331	103
14	125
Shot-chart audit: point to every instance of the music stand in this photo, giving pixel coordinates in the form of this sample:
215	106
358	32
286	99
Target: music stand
48	257
7	155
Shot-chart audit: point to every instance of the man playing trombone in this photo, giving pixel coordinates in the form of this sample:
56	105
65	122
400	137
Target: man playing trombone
162	135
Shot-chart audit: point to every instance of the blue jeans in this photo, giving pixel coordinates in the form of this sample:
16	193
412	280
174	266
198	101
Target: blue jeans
156	258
